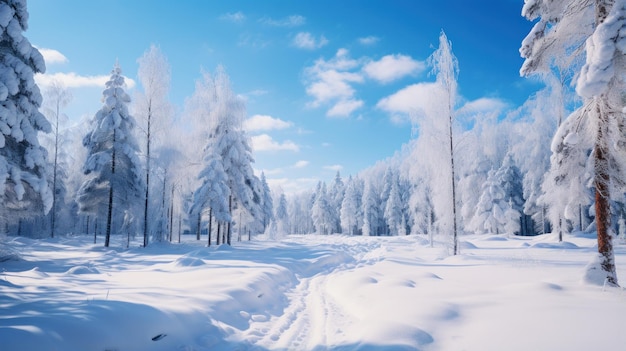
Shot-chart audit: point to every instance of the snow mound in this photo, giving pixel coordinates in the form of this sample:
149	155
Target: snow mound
8	254
594	274
467	245
35	273
496	238
561	245
186	261
82	270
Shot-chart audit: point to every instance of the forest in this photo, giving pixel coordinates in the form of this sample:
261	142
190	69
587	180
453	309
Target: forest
553	165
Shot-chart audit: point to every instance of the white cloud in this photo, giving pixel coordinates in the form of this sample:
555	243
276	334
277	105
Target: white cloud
335	168
371	40
236	17
290	21
73	80
306	40
265	142
393	67
344	108
330	83
411	99
52	56
262	122
301	164
483	105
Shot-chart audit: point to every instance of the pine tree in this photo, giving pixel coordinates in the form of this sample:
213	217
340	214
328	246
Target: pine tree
351	208
282	216
393	209
267	203
112	160
24	187
371	208
562	26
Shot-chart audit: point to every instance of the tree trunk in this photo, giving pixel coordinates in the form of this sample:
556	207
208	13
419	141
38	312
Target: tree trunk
217	239
54	174
145	210
601	167
455	240
198	226
230	210
603	209
107	238
210	223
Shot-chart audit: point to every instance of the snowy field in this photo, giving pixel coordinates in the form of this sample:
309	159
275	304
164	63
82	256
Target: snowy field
308	293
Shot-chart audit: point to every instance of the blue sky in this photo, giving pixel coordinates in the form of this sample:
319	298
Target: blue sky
325	74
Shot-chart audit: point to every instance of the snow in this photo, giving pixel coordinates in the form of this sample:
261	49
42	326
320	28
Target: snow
315	292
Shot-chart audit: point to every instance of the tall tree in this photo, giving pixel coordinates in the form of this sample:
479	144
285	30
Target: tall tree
24	189
267	212
223	113
599	23
112	160
282	216
351	207
57	98
153	109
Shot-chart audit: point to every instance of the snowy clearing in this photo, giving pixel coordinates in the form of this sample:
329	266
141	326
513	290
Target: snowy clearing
308	293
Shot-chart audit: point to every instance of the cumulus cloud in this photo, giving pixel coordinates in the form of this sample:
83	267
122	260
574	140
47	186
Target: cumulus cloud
307	41
393	67
301	164
265	142
236	17
483	105
265	123
371	40
289	21
411	99
52	56
344	108
329	82
74	80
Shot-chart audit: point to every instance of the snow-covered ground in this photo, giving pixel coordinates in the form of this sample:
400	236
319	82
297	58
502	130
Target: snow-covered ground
308	293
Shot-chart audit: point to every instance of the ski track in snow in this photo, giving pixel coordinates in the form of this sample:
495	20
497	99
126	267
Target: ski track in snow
312	319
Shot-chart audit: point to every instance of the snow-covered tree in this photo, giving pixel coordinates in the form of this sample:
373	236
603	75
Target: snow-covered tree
153	110
223	112
321	212
336	193
282	216
600	24
56	98
112	161
436	124
489	217
24	188
394	209
510	179
351	209
267	204
371	210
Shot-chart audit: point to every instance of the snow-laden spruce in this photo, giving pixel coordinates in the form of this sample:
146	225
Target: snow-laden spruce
23	162
116	181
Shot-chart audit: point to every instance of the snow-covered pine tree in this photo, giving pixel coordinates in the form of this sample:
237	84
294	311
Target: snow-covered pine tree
600	24
510	179
282	216
321	212
336	194
489	217
351	209
228	141
394	208
267	203
24	186
213	193
112	160
371	209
